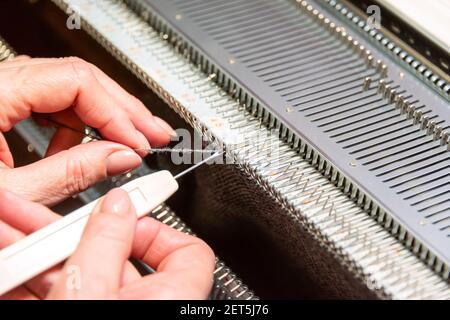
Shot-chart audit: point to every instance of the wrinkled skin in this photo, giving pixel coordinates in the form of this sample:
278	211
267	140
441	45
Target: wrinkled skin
75	93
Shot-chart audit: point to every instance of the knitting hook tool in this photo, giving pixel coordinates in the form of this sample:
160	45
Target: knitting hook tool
56	242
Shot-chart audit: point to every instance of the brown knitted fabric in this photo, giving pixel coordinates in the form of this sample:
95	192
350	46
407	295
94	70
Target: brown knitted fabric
269	250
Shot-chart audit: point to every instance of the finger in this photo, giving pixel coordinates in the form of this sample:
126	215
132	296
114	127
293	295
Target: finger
40	285
52	87
18	218
5	154
105	245
184	264
63	139
17	60
130	274
20	293
69	130
30	217
8	235
66	118
22	57
156	130
23	61
69	172
24	216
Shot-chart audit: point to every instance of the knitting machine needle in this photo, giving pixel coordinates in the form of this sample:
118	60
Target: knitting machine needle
192	168
56	242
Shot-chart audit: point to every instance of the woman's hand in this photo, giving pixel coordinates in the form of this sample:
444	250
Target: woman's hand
73	92
99	268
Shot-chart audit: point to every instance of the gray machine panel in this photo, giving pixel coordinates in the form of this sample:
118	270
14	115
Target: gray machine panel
390	140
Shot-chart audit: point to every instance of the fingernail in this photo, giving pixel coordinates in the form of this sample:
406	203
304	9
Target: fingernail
121	162
167	128
116	201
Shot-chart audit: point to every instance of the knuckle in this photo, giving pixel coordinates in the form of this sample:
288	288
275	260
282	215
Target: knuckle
78	176
204	255
81	68
13	108
138	102
73	59
206	249
5	123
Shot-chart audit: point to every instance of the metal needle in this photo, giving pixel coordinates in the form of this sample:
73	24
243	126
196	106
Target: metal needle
198	165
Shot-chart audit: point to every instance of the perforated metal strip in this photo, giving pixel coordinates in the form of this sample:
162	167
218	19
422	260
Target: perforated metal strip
361	244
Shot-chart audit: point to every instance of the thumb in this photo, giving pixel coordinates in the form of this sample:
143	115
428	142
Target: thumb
102	253
69	172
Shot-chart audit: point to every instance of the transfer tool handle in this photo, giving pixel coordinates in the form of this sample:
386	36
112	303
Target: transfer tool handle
56	242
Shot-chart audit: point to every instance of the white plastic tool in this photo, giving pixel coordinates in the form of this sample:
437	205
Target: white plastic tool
53	244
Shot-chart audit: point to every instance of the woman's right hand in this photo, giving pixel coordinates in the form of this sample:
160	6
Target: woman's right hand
99	268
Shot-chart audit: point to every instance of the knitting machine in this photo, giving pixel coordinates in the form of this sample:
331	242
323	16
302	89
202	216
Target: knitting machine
338	130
